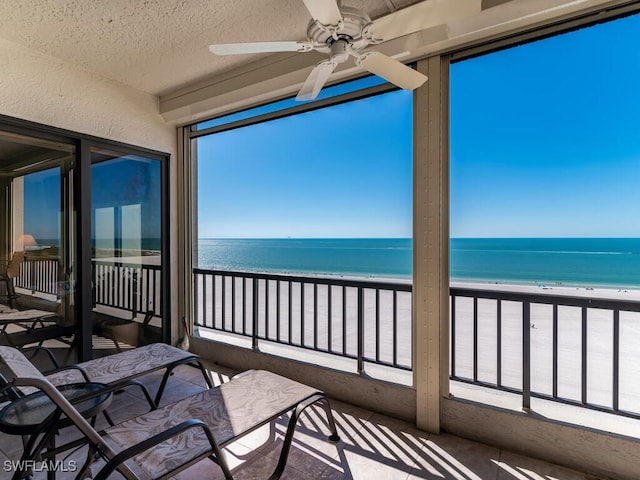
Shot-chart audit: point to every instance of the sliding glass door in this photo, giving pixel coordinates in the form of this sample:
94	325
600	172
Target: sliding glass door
126	250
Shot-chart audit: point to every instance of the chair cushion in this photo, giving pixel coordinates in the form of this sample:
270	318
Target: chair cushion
112	369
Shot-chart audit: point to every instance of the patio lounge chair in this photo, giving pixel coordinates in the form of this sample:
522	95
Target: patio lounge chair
161	443
36	326
121	369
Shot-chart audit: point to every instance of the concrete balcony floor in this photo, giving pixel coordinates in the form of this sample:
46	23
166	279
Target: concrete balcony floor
372	446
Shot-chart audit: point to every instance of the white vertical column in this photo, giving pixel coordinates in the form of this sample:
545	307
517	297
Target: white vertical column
105	234
132	228
17	214
431	245
184	211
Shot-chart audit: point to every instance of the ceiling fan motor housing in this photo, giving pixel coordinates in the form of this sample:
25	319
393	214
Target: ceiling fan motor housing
350	29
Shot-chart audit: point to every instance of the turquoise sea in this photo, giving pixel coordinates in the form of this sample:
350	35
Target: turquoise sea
377	257
598	262
585	262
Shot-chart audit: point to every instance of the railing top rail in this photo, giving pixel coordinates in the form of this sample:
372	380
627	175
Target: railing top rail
547	298
149	266
399	285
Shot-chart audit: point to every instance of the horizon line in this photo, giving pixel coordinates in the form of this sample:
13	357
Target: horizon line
528	237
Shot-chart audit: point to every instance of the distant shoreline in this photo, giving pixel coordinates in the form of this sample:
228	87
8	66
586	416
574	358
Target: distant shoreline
612	293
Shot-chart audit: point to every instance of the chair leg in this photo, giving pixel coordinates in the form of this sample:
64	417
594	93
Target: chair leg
169	371
91	454
42	439
163	384
11	294
135	383
200	366
334	437
291	427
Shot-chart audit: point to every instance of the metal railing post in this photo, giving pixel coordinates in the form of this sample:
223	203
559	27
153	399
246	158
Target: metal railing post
526	356
136	295
254	332
615	403
360	330
584	359
498	342
452	337
32	275
475	339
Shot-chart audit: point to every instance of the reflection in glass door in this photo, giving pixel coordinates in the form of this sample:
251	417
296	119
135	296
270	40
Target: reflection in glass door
37	250
126	250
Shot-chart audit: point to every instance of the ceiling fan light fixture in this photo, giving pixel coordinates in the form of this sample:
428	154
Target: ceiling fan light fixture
340	50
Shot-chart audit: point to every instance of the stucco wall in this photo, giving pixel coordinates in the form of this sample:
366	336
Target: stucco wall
46	90
390	399
600	453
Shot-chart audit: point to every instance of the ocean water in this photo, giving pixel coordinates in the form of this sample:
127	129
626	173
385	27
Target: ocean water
597	262
362	257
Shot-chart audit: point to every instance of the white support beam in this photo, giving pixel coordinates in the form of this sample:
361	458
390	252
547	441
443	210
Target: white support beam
430	248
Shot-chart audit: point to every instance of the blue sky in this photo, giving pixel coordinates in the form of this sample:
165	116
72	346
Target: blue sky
545	137
42	204
343	171
545	142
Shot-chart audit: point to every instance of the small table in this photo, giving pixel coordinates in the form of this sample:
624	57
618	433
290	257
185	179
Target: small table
35	416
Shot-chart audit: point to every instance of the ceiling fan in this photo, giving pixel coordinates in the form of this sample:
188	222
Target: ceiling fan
342	32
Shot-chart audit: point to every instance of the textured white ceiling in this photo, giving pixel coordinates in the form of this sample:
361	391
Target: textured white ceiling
158	46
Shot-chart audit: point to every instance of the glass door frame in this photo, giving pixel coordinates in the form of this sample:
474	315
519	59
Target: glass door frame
80	186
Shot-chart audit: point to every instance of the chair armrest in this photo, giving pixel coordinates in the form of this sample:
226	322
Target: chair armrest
71	367
49	353
151	442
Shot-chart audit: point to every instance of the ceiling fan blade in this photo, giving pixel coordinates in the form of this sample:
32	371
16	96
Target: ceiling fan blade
315	81
326	12
391	70
423	15
259	47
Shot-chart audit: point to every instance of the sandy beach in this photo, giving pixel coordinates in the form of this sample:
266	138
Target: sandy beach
551	289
